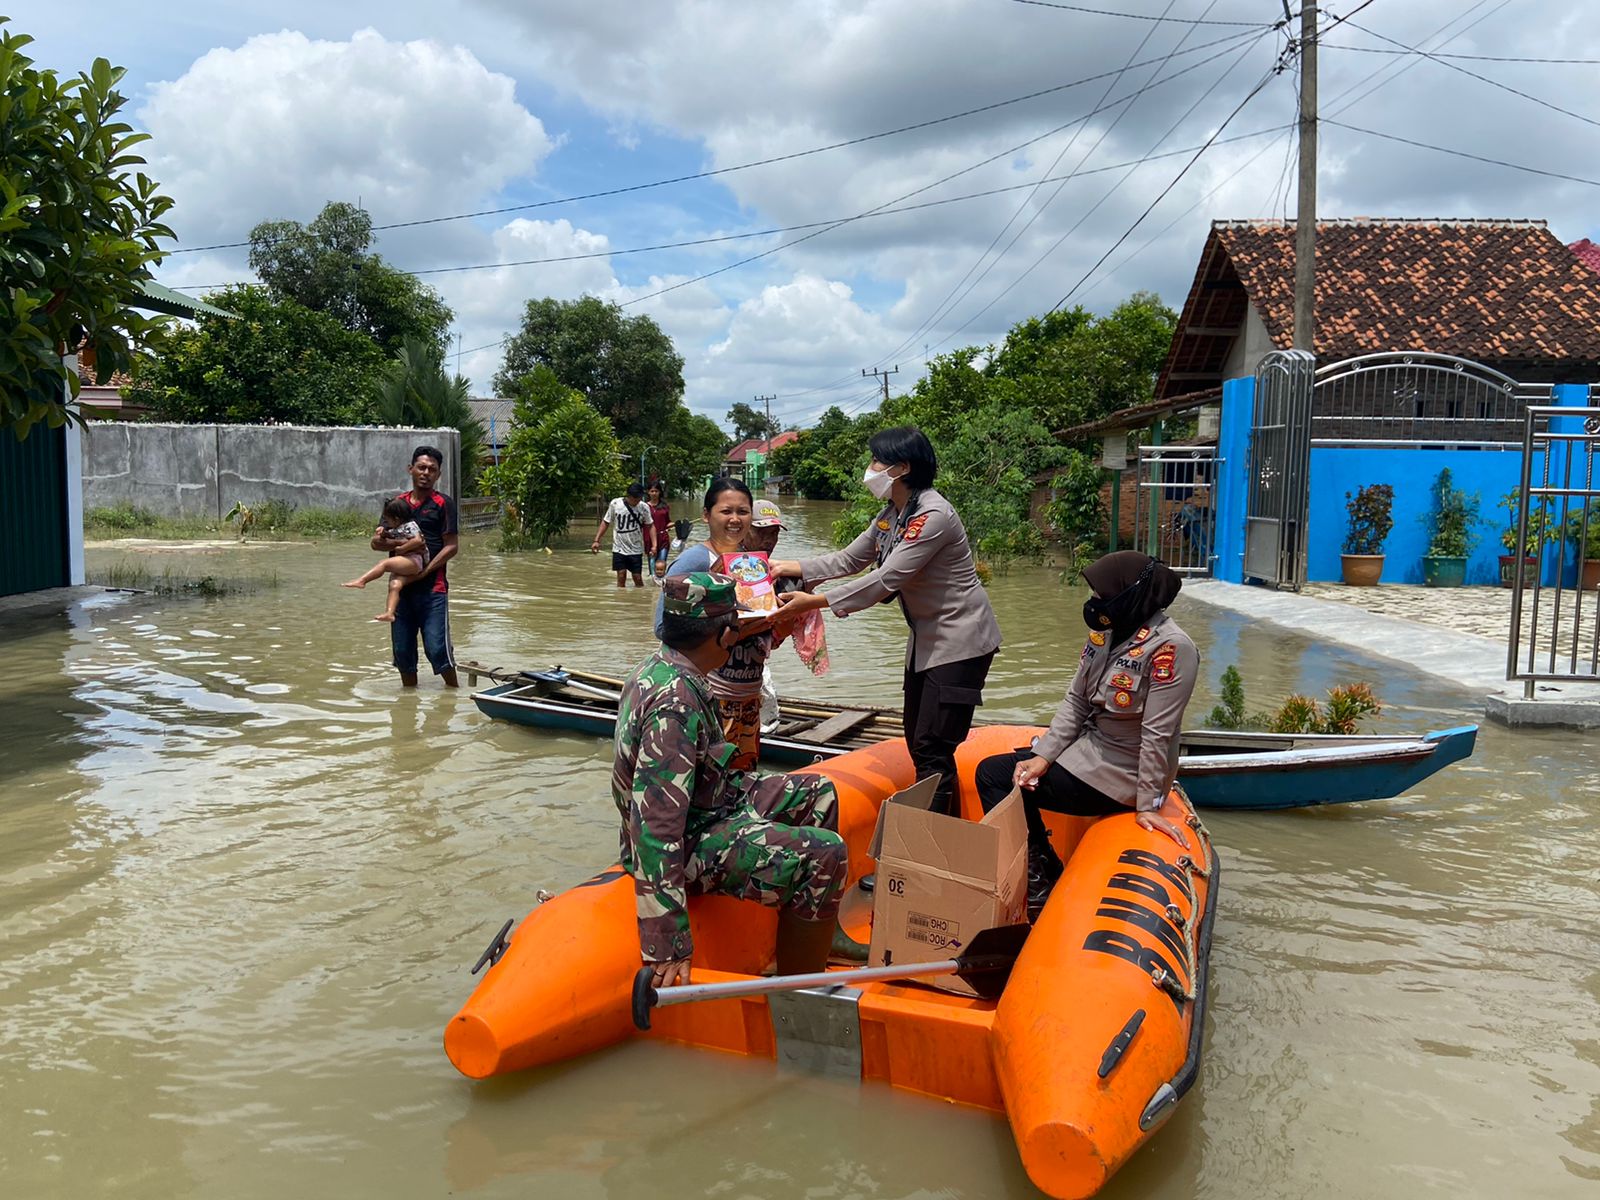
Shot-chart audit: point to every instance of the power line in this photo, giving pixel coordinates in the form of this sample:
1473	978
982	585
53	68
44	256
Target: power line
1360	83
1132	168
760	162
1481	78
1106	12
1496	162
1407	66
732	237
1571	62
950	298
1249	96
926	187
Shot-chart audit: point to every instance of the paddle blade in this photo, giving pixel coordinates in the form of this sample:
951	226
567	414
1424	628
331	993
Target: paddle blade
986	966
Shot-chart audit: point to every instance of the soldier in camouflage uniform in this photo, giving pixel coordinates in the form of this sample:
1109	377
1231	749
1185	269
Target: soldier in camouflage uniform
692	824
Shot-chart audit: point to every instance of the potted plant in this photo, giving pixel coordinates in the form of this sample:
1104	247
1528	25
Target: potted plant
1452	533
1588	544
1370	522
1541	532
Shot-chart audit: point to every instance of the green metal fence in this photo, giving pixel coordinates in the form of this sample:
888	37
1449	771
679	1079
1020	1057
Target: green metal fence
33	520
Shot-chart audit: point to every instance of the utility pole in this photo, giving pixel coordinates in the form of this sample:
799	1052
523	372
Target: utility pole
766	447
884	375
1305	234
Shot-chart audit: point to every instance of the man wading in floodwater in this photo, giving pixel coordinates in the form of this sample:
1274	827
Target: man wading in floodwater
424	605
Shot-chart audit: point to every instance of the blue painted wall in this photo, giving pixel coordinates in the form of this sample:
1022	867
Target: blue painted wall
1233	485
1336	470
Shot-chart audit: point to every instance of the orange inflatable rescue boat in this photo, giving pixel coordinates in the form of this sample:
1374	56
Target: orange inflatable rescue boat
1093	1041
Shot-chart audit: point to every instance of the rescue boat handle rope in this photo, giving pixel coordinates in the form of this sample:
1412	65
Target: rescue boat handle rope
1191	925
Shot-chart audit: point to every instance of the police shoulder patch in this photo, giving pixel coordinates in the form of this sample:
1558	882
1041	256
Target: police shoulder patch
1164	666
914	527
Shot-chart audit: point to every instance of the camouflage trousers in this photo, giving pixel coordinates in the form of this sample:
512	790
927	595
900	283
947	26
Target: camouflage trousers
778	847
741	727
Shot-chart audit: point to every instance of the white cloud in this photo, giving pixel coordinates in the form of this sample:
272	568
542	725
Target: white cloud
283	123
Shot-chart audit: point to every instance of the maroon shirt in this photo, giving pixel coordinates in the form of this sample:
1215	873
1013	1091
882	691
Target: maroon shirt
662	518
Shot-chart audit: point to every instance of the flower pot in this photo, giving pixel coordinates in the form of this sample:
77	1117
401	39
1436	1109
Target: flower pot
1444	572
1508	569
1361	570
1590	580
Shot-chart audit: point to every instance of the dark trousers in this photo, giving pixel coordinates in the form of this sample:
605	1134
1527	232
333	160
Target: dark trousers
427	612
1059	791
938	716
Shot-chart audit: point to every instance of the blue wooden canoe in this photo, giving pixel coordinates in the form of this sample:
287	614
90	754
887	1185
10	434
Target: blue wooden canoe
1217	768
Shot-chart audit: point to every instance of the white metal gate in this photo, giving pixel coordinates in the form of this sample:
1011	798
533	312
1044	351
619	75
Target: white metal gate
1279	470
1553	637
1174	517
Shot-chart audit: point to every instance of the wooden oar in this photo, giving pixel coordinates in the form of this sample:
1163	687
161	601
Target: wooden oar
986	966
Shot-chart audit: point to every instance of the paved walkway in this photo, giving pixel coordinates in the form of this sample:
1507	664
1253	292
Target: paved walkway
1456	634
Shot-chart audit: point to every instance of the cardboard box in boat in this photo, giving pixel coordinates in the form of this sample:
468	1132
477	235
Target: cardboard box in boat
942	881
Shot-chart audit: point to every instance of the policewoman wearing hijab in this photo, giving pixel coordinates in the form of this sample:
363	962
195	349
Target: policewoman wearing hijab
1113	745
918	550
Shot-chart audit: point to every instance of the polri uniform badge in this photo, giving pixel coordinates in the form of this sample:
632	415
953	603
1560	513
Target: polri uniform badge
1122	699
1164	666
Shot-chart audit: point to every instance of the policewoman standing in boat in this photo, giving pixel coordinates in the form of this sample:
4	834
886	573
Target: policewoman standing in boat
917	549
1113	745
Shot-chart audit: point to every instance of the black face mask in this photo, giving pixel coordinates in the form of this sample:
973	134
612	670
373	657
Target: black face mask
1102	614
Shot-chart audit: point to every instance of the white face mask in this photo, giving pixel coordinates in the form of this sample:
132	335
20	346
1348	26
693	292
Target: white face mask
879	483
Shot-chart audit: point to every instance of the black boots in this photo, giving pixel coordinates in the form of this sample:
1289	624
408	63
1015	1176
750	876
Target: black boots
1044	868
803	945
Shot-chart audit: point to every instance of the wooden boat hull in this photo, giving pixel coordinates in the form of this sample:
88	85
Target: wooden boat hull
1217	769
1129	905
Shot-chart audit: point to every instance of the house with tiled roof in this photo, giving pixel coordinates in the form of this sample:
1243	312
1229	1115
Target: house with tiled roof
1587	253
1505	293
759	445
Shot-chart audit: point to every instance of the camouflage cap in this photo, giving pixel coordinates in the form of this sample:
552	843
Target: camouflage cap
766	515
698	594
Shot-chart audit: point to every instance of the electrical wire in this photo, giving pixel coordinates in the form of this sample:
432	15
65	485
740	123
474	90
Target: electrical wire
1249	96
926	187
1334	101
1106	12
731	237
951	298
1131	170
1499	58
1481	78
1497	162
760	162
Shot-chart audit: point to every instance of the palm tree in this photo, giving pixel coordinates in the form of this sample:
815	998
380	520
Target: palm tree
413	389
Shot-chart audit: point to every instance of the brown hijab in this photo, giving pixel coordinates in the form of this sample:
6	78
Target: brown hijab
1132	587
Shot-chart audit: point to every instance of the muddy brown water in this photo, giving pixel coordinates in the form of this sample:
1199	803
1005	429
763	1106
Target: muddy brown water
242	877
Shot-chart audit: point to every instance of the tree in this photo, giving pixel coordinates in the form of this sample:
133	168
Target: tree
1074	367
683	451
560	454
278	362
329	267
78	232
749	422
626	367
415	390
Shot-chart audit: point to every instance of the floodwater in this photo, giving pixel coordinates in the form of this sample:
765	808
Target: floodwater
243	876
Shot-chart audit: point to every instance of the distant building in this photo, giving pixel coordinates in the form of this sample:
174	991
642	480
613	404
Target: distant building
495	413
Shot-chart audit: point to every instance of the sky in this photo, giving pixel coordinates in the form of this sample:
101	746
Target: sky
480	131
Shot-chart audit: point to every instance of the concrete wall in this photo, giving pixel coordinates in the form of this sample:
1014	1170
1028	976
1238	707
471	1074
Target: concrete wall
201	470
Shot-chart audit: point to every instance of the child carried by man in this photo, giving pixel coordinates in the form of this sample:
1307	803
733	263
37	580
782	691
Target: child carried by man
407	561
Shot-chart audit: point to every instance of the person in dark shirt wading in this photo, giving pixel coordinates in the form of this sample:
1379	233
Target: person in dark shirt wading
424	604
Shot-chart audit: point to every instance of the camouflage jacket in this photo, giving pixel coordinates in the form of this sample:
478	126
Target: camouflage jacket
670	782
